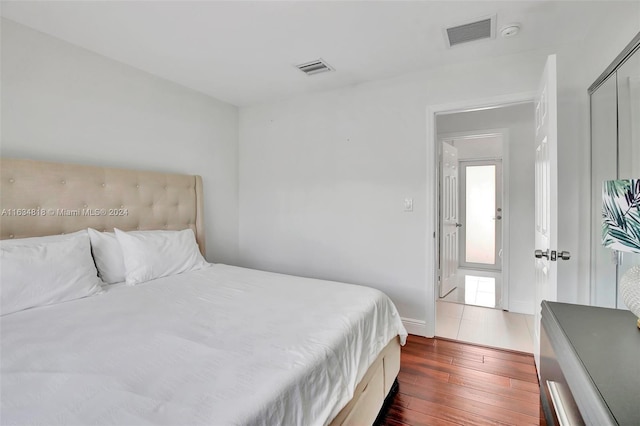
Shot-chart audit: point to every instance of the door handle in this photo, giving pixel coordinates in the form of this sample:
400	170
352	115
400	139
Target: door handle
539	254
458	225
564	255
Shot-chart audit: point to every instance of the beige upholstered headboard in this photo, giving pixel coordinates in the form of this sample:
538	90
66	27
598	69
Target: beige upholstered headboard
40	198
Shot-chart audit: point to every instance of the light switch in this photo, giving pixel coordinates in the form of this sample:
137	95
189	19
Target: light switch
408	204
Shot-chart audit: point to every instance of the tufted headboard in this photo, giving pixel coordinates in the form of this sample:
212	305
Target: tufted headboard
40	198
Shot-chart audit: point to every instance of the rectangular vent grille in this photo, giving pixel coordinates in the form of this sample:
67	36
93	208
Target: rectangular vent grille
314	67
472	31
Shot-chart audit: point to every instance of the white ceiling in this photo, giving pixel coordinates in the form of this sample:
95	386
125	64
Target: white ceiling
245	52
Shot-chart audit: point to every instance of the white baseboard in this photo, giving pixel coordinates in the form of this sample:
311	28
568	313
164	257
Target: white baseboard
521	307
414	326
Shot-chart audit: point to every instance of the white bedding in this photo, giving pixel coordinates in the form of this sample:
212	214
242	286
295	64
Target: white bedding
219	346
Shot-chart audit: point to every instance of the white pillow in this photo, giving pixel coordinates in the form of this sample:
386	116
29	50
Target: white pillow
154	254
108	256
42	271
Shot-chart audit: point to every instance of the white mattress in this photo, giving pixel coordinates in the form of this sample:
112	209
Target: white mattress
219	346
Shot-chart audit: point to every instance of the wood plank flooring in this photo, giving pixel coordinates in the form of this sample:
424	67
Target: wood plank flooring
443	382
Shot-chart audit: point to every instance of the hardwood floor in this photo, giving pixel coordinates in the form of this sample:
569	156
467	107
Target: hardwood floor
444	382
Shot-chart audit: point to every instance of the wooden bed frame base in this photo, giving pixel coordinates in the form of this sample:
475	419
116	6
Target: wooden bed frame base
370	394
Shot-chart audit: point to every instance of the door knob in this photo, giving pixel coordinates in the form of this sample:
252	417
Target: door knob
540	254
498	217
458	225
564	255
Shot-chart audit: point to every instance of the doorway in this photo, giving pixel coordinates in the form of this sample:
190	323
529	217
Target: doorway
471	211
522	274
492	303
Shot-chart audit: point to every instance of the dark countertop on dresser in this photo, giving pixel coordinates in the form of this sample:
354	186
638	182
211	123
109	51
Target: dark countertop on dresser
607	342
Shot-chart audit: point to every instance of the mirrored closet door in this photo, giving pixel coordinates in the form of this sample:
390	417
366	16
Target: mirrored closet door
615	154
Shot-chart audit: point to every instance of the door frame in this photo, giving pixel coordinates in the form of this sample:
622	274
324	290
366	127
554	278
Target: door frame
431	178
504	134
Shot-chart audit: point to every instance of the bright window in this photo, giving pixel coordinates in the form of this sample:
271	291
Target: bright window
480	213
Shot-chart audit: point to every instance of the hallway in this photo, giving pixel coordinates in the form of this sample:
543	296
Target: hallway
484	326
476	287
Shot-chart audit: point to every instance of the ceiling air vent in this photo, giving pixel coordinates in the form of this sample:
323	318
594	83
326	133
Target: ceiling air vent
471	31
314	67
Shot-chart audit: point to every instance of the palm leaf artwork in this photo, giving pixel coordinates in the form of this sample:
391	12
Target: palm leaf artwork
621	215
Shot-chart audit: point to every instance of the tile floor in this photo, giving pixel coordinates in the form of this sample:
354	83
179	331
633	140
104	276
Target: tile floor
484	326
480	288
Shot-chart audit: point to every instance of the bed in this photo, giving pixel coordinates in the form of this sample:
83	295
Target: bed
214	345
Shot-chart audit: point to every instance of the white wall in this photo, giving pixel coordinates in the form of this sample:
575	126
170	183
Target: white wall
64	103
323	177
477	148
519	122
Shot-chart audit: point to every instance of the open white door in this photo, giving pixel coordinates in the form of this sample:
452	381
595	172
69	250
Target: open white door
546	196
449	219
